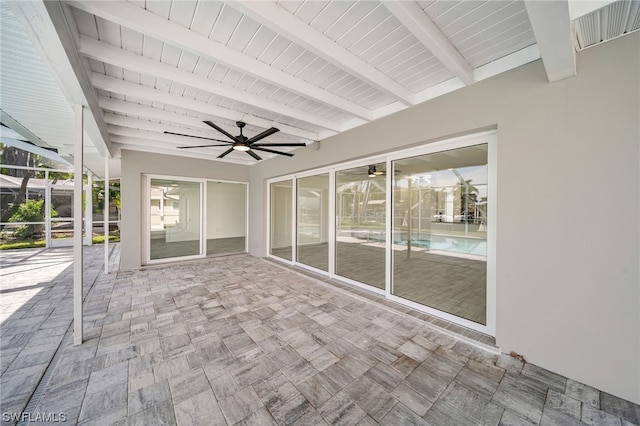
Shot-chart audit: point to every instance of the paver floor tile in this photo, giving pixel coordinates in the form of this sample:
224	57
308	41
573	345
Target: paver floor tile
239	340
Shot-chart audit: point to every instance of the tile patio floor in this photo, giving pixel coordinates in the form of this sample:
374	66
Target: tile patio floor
240	340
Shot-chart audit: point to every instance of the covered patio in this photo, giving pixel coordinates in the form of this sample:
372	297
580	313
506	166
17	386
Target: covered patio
241	340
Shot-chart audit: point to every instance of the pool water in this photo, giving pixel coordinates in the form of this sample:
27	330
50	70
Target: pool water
462	245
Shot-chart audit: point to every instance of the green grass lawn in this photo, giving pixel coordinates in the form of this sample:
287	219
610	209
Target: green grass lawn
15	245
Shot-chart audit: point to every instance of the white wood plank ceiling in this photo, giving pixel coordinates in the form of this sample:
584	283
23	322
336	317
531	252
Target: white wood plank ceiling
311	68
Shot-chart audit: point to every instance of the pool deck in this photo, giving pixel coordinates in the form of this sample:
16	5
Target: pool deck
240	340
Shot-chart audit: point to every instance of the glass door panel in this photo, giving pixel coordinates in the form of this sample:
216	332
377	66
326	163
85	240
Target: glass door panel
360	224
62	211
226	217
281	220
175	219
313	221
440	231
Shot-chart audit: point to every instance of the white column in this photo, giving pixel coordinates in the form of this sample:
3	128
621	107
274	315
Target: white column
106	215
388	229
47	209
88	221
331	193
77	227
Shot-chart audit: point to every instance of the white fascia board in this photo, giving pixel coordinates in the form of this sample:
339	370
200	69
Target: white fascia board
509	62
441	89
411	15
278	19
110	84
552	28
104	52
138	19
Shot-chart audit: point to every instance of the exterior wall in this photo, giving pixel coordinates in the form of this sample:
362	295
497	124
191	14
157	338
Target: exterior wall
568	230
134	165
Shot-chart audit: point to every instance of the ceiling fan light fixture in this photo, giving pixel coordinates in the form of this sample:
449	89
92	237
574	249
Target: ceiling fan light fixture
242	143
241	147
372	172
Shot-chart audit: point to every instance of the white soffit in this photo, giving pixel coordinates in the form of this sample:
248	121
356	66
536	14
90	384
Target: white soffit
36	94
29	94
312	68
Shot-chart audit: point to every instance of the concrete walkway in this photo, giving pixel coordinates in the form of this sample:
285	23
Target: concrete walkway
240	340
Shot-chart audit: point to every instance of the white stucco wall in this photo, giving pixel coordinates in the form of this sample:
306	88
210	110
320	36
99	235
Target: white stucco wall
568	231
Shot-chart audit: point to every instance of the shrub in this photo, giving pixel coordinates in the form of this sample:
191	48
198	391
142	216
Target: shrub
30	211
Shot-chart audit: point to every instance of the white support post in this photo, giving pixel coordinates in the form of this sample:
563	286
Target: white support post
47	209
77	226
88	222
332	224
106	215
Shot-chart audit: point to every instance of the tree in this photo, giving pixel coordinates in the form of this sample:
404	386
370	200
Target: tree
11	155
468	195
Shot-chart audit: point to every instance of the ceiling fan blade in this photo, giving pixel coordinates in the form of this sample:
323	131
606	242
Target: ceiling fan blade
198	146
263	135
221	130
272	151
279	144
199	137
226	152
254	155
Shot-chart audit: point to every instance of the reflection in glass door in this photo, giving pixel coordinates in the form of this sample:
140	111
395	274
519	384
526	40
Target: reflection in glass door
313	221
440	231
360	224
174	219
281	219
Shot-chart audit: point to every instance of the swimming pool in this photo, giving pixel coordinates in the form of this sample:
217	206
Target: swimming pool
463	245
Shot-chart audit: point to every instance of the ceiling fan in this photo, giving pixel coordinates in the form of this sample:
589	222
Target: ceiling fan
241	142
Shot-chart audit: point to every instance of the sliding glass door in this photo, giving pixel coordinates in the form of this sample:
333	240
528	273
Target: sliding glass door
226	217
413	225
440	231
281	218
175	218
190	218
313	221
360	224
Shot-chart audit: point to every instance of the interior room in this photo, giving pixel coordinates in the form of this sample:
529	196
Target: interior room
368	212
